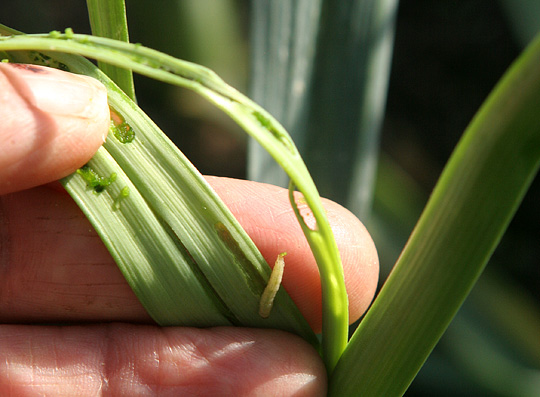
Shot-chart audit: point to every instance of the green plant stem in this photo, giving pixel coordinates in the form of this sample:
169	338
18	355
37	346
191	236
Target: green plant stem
108	19
469	210
335	307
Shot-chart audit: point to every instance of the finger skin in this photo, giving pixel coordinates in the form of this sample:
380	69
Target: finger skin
52	122
53	266
128	360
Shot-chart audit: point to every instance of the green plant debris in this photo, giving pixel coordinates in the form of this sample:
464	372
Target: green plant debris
120	128
94	181
122	131
124	193
54	34
69	33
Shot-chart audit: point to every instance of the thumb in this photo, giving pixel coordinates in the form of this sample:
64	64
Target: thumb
52	122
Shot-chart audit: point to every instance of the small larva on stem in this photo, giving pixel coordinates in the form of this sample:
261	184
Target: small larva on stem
269	293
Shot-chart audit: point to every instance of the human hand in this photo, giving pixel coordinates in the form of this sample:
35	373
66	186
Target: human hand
55	269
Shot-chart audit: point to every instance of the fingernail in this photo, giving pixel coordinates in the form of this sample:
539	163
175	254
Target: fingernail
56	92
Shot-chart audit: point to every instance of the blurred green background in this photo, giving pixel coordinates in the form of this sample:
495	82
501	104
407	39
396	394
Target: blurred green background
447	57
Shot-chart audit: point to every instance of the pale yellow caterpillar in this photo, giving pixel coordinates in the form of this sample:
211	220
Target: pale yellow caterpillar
269	293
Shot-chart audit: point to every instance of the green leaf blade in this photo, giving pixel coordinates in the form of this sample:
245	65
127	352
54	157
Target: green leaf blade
108	19
468	212
117	219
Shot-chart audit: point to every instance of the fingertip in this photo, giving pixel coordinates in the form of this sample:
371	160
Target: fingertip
52	123
265	212
358	255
